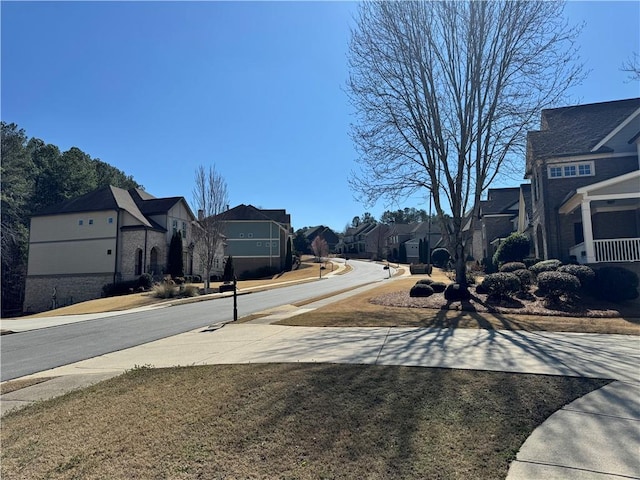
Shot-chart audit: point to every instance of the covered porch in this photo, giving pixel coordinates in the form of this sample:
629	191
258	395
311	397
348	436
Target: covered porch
605	218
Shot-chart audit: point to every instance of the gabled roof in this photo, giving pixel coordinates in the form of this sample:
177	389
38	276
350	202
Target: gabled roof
500	201
576	130
135	202
251	213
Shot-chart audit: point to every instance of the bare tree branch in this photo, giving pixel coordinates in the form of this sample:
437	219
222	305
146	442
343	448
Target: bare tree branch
210	200
445	92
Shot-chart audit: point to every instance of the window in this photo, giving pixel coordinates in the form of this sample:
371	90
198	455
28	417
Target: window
110	220
249	235
91	221
109	252
175	226
80	222
571	170
241	235
258	244
184	229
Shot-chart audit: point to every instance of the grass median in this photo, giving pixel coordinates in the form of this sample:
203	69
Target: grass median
285	421
361	310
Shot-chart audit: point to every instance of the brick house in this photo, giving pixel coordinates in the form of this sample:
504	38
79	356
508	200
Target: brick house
584	169
497	218
106	236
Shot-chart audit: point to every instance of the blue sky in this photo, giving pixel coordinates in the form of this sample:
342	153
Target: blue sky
255	88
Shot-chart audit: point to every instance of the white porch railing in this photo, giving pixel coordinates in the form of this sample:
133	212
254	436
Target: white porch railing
617	250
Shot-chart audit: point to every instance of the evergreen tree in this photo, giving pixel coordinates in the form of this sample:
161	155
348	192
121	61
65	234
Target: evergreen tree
402	254
229	272
175	265
288	261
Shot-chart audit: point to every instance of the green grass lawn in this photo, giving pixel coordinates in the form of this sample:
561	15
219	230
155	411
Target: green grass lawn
306	421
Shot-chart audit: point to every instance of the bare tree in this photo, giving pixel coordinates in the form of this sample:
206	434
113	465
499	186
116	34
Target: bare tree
210	200
444	94
632	66
320	247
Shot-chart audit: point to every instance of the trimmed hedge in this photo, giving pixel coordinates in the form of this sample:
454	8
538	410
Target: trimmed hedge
440	257
425	281
501	284
585	274
514	248
525	277
545	266
438	287
456	292
616	284
421	290
554	285
512	266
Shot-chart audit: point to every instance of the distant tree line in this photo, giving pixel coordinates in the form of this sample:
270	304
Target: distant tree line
35	176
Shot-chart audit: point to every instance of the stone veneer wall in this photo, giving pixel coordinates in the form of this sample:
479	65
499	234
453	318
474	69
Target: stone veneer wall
69	289
134	239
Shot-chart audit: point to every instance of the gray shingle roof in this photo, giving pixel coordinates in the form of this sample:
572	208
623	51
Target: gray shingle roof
249	212
136	202
500	200
578	129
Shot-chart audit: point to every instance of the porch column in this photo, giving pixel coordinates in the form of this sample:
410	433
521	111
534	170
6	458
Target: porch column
587	230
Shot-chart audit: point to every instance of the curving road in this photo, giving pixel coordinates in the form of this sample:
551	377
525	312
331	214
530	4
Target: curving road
38	350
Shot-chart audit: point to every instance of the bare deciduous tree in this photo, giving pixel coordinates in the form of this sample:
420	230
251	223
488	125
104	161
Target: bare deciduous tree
632	66
444	94
320	247
210	200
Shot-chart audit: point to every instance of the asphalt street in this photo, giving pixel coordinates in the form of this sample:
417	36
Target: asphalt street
33	351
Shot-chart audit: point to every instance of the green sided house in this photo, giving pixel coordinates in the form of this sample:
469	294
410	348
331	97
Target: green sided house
256	238
106	236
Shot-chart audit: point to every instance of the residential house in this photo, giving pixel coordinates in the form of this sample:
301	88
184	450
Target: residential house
354	241
584	169
326	233
106	236
496	219
422	231
256	238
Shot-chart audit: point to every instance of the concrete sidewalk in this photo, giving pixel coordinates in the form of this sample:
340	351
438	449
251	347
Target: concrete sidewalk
595	437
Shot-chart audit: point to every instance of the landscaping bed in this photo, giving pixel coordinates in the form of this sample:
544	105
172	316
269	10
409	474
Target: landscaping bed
526	305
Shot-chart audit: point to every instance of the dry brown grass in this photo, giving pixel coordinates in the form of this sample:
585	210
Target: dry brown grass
377	308
306	272
285	421
14	385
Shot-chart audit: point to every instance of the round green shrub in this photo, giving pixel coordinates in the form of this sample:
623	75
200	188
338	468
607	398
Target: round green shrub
514	248
512	266
554	285
421	290
440	257
456	292
616	284
501	284
438	287
585	274
545	266
525	277
425	281
481	289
